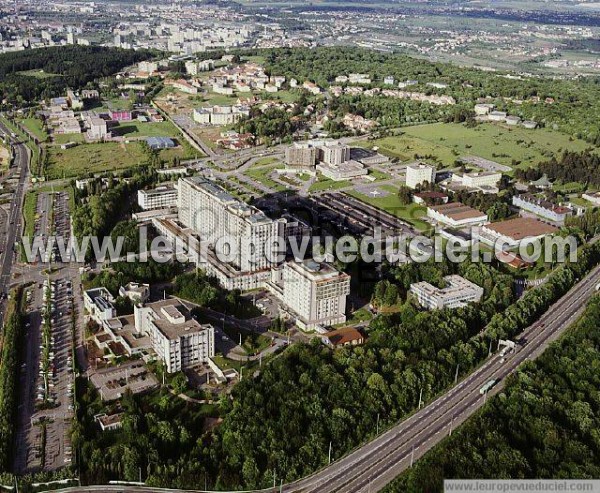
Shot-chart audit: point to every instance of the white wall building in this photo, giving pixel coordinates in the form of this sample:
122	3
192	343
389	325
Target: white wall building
542	208
457	293
178	339
316	293
161	197
419	173
98	302
215	215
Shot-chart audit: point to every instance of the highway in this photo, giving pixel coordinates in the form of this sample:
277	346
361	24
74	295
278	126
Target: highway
15	218
372	466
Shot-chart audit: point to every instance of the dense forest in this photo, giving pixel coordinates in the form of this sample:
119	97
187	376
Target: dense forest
544	424
73	66
572	109
581	167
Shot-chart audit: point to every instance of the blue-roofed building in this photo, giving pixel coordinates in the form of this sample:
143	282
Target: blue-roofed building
160	142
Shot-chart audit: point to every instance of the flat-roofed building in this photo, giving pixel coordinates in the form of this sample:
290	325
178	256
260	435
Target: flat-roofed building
479	180
216	215
457	293
593	197
343	171
456	215
162	197
316	293
418	173
177	338
98	302
513	231
135	291
301	156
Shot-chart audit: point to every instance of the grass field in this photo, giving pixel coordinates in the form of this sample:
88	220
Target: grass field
262	175
93	158
146	129
34	125
38	74
445	142
323	184
411	213
66	138
29	206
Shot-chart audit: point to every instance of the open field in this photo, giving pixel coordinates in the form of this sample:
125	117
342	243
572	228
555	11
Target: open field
261	174
34	125
324	184
93	158
38	74
146	129
445	142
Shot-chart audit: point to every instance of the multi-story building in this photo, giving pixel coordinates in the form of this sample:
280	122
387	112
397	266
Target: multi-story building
457	293
97	128
218	216
479	180
542	208
220	115
177	338
301	156
315	293
135	291
418	173
98	302
334	153
161	197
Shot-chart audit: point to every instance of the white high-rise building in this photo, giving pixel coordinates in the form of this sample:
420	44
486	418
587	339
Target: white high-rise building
418	173
178	339
218	216
334	154
316	293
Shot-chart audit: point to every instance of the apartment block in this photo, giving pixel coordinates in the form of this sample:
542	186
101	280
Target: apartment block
542	208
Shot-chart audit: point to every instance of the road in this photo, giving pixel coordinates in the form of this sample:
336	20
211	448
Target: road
372	466
15	218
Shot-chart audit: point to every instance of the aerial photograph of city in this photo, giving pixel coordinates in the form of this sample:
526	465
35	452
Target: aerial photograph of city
299	246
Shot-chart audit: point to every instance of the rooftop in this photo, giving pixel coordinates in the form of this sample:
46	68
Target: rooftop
522	227
457	211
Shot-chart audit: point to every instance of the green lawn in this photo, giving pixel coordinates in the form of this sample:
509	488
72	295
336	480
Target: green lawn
29	213
445	142
38	74
93	158
324	184
411	213
34	125
146	129
262	175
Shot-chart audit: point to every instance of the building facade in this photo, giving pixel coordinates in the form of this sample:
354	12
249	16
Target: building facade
316	293
417	174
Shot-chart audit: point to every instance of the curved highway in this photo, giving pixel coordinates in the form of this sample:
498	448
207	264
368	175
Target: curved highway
372	466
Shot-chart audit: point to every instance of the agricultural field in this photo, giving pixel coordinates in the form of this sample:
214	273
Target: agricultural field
445	142
93	158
